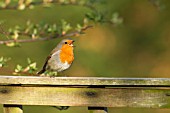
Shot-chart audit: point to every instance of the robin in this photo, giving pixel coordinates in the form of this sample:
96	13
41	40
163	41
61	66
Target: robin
60	58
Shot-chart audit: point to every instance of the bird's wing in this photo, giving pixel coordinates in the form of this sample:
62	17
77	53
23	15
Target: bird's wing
46	61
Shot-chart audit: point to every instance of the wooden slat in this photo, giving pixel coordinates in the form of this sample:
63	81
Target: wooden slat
98	97
84	81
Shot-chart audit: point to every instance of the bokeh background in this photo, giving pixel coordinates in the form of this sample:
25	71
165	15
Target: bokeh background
140	47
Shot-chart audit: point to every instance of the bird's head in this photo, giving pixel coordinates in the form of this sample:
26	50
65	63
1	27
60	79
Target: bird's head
67	42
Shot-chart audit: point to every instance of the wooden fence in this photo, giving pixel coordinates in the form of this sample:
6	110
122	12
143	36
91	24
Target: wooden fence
97	93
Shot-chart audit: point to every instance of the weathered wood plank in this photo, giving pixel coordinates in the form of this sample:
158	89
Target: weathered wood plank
98	97
84	81
13	109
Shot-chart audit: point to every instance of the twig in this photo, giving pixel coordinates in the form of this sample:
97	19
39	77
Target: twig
74	33
15	7
3	32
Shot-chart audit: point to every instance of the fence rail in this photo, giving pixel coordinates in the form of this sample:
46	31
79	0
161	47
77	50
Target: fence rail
93	92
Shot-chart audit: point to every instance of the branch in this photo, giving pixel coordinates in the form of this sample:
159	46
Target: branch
17	6
74	33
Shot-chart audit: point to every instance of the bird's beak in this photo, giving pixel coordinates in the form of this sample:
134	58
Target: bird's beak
72	43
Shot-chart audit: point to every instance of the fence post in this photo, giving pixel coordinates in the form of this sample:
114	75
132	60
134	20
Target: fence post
12	109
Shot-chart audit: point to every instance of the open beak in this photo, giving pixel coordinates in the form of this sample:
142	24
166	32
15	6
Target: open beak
72	43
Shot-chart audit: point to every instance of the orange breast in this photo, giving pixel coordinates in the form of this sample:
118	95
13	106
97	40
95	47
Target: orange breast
66	54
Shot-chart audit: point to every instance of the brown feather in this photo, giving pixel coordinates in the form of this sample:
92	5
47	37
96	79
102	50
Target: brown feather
44	66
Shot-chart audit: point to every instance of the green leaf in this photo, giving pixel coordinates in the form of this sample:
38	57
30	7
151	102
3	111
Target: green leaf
2	4
51	73
90	16
65	26
15	35
65	1
116	19
13	44
28	2
30	68
33	66
28	60
3	61
54	27
95	16
85	21
79	27
35	31
18	68
22	7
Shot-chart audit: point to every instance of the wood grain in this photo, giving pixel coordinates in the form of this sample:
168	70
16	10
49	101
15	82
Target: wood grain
85	91
85	81
98	97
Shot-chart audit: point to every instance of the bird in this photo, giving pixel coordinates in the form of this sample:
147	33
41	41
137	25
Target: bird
60	58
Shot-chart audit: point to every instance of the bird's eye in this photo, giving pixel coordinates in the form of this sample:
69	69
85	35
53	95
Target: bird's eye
65	42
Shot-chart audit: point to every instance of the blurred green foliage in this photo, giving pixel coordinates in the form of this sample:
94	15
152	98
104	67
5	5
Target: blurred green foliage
137	48
3	61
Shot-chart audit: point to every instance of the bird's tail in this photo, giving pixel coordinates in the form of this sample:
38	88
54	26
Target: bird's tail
42	71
